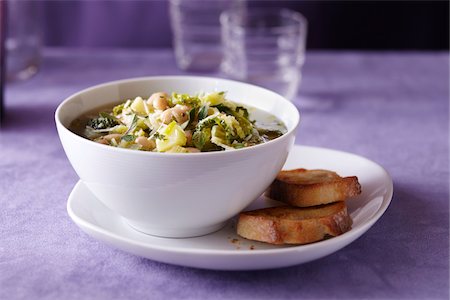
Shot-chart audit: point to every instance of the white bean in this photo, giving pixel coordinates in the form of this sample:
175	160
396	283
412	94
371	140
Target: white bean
102	141
106	139
166	116
192	150
146	143
159	100
111	136
180	116
188	134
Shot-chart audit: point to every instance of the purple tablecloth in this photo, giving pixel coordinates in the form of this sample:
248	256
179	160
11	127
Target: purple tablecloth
390	107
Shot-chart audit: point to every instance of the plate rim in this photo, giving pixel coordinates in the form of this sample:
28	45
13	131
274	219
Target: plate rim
351	235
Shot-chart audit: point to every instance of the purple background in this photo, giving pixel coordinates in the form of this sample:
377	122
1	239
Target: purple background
107	23
333	24
392	108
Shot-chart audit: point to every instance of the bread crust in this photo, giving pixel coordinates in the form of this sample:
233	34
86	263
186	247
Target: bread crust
293	225
304	188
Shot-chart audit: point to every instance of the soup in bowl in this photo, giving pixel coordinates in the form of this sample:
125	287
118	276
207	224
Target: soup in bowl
170	173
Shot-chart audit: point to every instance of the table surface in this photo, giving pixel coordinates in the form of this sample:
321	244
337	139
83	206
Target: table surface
391	107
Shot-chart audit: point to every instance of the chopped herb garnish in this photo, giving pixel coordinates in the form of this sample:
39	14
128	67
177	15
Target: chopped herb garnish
224	109
128	138
132	125
108	116
269	134
102	122
243	109
158	136
117	110
192	114
185	99
203	113
200	138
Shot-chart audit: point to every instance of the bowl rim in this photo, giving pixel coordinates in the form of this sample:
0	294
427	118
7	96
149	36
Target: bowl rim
165	154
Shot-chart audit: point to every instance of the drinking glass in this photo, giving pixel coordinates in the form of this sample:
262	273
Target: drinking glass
265	47
24	38
197	34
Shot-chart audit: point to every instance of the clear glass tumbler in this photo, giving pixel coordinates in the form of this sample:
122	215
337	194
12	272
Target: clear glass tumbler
197	34
265	47
24	38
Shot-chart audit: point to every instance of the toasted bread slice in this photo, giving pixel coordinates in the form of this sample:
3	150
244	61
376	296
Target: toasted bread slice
293	225
304	188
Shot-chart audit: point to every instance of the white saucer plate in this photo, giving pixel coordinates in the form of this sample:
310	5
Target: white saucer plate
224	249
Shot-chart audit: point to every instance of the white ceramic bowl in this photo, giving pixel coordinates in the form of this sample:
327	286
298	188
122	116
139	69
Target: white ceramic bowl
179	194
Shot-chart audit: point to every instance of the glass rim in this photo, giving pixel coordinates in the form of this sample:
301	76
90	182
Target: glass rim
226	19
